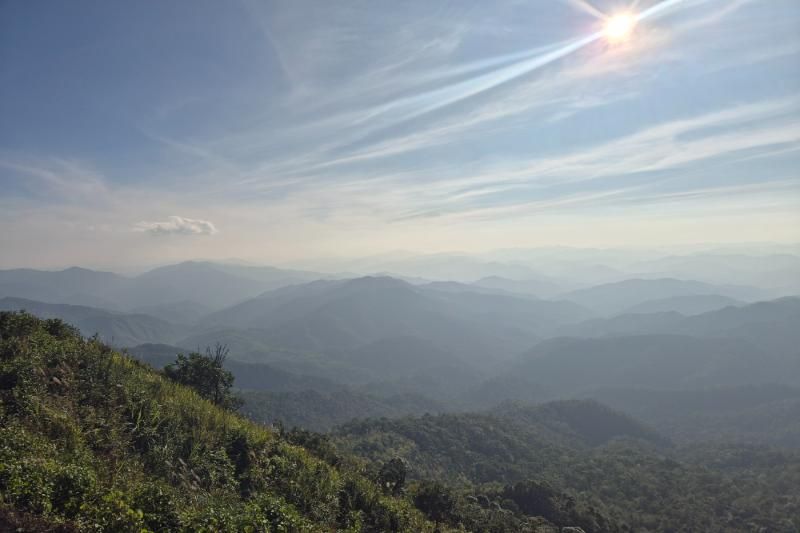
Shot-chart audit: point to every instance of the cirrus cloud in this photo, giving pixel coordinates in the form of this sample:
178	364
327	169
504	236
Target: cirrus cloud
177	225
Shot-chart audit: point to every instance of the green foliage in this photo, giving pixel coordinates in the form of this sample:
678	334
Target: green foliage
435	500
96	441
114	512
205	374
392	475
530	466
157	501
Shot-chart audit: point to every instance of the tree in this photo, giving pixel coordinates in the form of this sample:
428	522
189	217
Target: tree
206	374
435	500
392	476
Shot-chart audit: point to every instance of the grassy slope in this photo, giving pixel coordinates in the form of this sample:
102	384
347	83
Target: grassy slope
96	441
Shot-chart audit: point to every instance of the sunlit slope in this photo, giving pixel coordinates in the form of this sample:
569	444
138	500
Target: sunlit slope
97	441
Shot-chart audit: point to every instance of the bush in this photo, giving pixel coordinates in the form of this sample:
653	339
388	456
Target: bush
158	507
72	485
113	512
28	485
435	500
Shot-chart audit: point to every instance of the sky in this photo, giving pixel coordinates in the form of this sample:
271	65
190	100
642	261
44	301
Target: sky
146	132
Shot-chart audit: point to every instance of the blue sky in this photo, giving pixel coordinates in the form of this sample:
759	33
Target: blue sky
144	132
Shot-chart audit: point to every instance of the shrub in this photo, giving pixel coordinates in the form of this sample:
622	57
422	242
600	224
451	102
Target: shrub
113	512
158	507
72	485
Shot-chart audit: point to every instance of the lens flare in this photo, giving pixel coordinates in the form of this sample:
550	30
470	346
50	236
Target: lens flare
619	27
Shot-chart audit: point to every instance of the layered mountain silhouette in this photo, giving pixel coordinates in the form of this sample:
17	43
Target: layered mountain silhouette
210	285
118	329
614	298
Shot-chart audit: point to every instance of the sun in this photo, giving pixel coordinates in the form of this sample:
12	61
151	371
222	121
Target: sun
618	28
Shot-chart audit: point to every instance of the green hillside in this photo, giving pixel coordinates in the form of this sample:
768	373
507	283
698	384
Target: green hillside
91	440
99	442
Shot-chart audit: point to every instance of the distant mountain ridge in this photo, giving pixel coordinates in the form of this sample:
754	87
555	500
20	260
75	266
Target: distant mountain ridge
692	304
747	345
74	285
572	365
541	288
115	328
386	337
772	325
344	315
751	414
614	298
209	284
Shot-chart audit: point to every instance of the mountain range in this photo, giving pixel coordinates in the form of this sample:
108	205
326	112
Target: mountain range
381	330
207	285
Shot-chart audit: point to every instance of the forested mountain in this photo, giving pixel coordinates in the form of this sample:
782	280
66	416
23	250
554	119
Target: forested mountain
752	414
578	422
542	288
270	277
331	316
693	304
573	365
76	286
436	375
775	271
119	329
455	286
567	446
181	312
255	376
210	285
506	444
344	315
461	347
770	325
91	440
456	267
318	410
445	381
401	357
614	298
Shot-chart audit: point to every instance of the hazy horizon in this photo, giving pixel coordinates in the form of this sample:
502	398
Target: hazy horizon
332	264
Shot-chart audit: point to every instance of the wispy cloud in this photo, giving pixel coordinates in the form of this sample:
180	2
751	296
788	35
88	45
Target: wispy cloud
652	155
370	132
56	178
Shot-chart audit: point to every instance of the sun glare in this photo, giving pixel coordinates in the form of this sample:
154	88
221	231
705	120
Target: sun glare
619	27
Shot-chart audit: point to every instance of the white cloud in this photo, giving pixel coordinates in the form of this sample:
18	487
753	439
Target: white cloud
178	226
